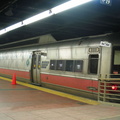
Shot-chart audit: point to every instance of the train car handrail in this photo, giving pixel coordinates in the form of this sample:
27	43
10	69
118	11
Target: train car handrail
111	77
109	90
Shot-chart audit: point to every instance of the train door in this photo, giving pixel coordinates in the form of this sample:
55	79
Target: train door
35	68
94	72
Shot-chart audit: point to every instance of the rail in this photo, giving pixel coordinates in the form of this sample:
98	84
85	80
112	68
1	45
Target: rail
109	89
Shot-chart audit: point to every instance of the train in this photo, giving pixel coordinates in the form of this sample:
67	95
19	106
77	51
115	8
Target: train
73	66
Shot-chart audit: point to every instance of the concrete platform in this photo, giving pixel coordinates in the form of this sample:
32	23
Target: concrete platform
19	102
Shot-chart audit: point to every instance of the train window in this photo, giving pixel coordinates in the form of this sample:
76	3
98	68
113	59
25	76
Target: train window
93	64
116	57
52	64
116	60
60	64
69	65
78	66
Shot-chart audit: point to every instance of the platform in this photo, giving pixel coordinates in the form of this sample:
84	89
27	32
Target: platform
18	102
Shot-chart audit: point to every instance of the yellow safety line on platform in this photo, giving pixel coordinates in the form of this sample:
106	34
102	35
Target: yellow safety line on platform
80	99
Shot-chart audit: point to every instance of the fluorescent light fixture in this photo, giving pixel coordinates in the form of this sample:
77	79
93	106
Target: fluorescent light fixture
45	14
15	26
68	5
38	17
3	31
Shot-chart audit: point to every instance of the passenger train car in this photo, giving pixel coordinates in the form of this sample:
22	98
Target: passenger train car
73	66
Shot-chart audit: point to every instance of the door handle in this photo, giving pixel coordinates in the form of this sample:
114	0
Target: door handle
38	66
34	66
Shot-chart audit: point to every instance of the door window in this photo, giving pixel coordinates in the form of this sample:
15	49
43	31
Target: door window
34	61
93	64
38	61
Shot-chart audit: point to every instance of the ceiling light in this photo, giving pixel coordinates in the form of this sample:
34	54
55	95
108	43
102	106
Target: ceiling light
37	17
45	14
15	26
68	5
3	31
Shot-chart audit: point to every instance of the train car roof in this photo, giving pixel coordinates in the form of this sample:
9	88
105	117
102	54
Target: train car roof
84	41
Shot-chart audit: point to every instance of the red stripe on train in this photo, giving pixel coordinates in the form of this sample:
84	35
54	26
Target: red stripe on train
69	81
22	74
72	82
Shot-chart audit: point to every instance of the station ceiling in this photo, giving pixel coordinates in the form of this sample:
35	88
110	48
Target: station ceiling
92	18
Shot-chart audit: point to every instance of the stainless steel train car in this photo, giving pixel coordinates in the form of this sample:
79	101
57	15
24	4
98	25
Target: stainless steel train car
73	66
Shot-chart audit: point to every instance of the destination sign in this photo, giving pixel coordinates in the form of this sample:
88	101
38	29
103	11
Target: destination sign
105	44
